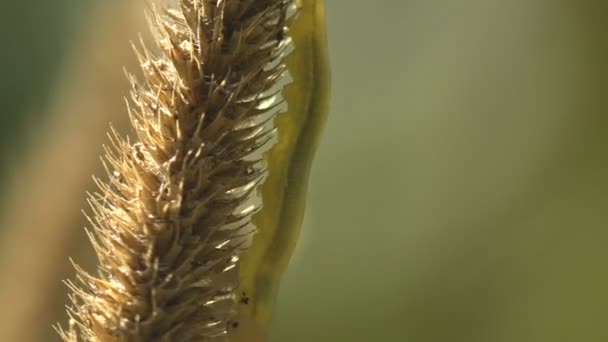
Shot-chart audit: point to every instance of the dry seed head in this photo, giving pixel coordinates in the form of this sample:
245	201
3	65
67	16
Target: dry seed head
169	225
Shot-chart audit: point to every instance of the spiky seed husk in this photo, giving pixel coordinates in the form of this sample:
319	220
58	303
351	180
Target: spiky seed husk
168	226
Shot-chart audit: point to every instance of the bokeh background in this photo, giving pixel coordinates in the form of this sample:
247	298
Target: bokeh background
459	194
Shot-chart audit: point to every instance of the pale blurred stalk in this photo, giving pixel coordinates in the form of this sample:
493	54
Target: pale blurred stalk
42	222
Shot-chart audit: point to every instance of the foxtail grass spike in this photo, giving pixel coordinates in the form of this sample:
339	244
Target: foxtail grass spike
172	221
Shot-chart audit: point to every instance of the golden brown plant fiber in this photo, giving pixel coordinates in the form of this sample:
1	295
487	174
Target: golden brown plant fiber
169	226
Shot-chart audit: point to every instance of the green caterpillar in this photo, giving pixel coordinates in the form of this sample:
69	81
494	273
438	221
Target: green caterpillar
288	164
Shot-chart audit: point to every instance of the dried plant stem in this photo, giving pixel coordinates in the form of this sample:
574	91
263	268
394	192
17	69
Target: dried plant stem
168	226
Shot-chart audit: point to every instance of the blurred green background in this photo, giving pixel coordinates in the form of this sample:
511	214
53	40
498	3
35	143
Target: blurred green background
35	38
460	190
